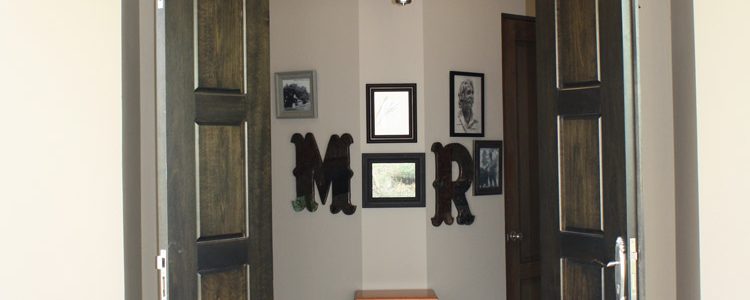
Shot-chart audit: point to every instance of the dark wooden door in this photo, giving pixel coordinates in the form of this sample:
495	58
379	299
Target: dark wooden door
215	147
522	256
585	126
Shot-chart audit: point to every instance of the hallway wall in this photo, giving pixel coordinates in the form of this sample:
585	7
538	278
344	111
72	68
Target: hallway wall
61	209
722	106
323	256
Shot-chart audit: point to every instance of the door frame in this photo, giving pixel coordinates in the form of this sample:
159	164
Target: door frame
139	149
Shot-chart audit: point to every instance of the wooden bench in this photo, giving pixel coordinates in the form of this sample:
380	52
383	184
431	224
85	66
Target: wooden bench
423	294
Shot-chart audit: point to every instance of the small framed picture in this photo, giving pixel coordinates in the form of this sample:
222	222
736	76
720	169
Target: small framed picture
296	95
467	104
393	180
488	165
391	113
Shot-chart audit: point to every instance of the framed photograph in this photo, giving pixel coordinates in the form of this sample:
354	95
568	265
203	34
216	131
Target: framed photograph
488	165
393	180
467	104
391	113
296	95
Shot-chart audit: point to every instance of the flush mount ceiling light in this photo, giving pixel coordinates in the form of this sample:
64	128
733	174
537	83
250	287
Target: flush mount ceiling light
402	2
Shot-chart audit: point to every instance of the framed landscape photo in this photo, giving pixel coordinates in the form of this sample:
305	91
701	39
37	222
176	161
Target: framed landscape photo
393	180
296	95
488	165
391	113
466	104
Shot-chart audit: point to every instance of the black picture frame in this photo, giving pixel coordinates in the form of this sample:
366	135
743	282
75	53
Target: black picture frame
394	119
462	84
370	200
488	168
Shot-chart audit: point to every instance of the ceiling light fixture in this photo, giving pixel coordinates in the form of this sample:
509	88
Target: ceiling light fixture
402	2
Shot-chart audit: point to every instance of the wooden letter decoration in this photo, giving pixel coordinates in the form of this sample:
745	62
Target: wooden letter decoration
446	189
332	173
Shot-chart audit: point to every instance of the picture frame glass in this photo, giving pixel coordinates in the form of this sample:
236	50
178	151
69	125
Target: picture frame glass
394	180
467	104
297	94
391	111
489	168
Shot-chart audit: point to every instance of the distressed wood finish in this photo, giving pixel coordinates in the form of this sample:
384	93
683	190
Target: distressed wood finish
580	181
218	154
578	42
523	278
221	178
220	49
581	85
224	285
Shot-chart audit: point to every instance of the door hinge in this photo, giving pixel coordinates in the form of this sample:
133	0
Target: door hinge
160	4
161	265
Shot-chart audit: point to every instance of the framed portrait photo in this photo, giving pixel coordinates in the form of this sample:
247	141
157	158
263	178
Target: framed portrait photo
466	104
296	94
393	180
391	113
488	165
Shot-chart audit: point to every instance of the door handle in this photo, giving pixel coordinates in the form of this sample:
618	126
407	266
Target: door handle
514	236
620	264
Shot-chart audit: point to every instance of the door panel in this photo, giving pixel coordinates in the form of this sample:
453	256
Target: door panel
220	44
520	132
582	120
230	284
216	159
580	181
578	42
221	181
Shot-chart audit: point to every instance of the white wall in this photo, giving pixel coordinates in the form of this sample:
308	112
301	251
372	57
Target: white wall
391	47
465	262
316	255
352	43
61	187
656	150
721	65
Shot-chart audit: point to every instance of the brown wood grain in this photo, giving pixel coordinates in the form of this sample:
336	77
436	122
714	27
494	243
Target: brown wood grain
578	47
226	285
581	281
580	181
212	168
220	44
587	83
221	160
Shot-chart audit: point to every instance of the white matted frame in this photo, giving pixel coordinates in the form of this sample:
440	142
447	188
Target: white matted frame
391	113
296	94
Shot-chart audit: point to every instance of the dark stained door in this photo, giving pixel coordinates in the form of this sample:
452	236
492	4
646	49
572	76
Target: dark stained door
522	256
584	121
215	147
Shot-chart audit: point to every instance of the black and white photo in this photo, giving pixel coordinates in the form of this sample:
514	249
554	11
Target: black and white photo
296	95
467	104
488	164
